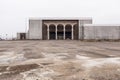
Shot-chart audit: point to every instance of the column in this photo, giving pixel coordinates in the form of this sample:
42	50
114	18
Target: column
56	31
64	32
72	33
48	35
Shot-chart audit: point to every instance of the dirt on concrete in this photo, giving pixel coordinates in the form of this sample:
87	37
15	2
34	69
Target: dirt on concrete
59	60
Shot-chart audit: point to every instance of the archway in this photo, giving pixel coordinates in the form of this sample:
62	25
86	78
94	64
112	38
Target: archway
52	32
44	32
68	31
60	32
76	31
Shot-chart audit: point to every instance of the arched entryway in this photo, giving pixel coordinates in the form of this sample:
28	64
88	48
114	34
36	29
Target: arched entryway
75	31
60	32
52	32
68	31
44	32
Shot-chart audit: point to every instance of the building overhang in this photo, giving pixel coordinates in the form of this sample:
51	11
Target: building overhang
60	18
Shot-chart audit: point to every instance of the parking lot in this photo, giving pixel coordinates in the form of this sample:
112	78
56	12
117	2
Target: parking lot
55	57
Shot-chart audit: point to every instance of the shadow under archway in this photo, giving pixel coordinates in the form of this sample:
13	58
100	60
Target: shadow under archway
60	32
52	32
44	32
68	31
76	31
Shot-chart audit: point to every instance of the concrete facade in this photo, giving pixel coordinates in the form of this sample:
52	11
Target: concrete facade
36	26
35	29
70	28
81	27
104	32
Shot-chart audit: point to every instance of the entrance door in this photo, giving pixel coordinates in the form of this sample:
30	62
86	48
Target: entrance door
68	31
52	32
60	32
68	35
52	35
60	35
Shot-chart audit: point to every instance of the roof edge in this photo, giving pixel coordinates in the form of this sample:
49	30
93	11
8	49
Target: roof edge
60	18
101	24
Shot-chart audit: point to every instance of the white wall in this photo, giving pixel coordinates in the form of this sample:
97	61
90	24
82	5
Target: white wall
35	29
81	23
101	32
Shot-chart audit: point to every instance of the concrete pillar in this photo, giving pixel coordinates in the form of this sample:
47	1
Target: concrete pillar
56	32
64	32
48	32
72	32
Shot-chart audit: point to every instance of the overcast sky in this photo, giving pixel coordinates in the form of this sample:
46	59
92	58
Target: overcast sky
14	14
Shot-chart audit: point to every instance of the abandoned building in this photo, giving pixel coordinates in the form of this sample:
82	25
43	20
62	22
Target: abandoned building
68	28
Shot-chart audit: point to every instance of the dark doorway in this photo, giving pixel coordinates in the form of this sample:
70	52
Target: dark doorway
60	35
60	32
22	36
52	31
44	32
68	35
76	31
52	35
68	31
